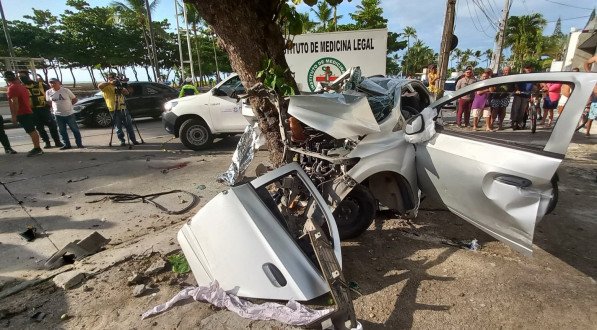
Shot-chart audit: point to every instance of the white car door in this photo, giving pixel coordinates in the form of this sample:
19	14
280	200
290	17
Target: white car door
226	111
500	186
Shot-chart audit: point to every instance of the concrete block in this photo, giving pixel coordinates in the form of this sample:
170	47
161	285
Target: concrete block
68	280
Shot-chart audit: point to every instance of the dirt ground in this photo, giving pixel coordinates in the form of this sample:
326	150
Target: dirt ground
407	274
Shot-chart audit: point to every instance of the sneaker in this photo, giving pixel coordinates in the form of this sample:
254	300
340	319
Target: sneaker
65	147
136	142
35	152
80	146
47	145
10	151
122	144
59	145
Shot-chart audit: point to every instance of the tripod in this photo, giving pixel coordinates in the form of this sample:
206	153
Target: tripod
129	121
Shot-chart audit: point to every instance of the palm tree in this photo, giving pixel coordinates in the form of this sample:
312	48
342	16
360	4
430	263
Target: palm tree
523	35
408	32
136	8
488	53
418	57
196	21
369	15
323	14
308	24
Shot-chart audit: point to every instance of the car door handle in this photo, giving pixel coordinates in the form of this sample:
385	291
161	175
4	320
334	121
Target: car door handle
513	180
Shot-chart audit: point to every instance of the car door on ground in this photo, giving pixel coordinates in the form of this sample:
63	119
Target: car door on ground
502	181
227	108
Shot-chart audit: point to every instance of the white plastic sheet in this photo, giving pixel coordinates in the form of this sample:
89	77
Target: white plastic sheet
292	313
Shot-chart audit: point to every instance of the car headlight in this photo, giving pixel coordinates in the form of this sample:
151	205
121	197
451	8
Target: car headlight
169	105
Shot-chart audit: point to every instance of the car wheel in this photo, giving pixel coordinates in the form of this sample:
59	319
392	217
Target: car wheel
195	134
355	213
102	118
555	195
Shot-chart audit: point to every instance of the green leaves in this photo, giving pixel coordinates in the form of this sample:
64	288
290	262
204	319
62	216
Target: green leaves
179	263
273	76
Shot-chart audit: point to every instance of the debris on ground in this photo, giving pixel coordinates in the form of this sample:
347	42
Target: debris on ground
155	268
472	245
139	290
30	234
69	279
292	313
201	187
136	278
168	168
149	198
78	179
38	316
77	250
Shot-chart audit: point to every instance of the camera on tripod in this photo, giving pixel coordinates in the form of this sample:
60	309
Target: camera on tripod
120	84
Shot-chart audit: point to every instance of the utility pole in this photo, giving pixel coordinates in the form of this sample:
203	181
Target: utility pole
179	44
186	22
11	51
499	44
156	69
447	36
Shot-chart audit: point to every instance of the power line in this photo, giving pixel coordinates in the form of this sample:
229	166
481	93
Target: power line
568	19
568	5
483	10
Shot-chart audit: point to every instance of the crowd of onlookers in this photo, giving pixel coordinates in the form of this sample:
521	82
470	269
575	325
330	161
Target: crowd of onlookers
490	103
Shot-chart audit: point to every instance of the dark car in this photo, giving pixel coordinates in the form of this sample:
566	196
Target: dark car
145	100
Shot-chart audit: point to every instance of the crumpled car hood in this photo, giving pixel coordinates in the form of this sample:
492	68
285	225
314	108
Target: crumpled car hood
339	115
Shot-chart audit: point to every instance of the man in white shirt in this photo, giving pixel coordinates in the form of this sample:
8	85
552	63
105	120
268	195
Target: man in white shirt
62	106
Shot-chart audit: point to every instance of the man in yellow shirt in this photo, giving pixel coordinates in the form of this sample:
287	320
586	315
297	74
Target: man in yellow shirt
113	92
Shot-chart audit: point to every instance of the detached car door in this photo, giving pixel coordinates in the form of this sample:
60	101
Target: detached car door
500	184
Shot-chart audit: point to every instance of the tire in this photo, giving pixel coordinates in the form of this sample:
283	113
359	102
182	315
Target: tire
195	134
355	212
102	118
534	120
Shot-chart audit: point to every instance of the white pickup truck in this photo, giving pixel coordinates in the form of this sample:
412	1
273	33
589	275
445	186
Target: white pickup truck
198	119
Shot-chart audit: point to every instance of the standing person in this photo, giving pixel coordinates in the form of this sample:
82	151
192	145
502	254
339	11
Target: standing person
20	109
113	92
500	98
565	92
592	111
520	101
550	102
42	114
188	88
432	78
465	102
62	106
4	140
479	105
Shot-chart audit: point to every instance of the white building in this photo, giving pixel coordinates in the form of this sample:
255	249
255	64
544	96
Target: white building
582	45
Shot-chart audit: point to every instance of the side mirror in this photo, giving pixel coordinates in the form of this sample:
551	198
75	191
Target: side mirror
414	125
218	92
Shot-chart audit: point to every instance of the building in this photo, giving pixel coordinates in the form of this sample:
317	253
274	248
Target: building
582	45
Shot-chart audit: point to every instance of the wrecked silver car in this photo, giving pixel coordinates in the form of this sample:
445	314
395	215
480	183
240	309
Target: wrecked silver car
354	147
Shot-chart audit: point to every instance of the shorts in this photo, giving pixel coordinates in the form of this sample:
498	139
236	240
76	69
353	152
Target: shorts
593	111
27	121
562	101
477	112
549	104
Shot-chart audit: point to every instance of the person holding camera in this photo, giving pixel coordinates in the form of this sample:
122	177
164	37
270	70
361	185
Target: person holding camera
114	92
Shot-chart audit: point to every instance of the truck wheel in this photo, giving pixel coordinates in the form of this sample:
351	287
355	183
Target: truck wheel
355	213
195	134
102	118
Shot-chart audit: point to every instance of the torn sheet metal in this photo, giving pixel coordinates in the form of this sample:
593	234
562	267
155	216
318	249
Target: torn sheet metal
250	141
339	115
428	130
77	249
292	313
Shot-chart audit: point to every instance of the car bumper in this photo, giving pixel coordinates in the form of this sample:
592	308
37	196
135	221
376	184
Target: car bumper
169	122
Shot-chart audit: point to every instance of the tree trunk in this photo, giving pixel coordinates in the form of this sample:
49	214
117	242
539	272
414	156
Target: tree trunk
73	75
135	72
147	71
250	35
93	81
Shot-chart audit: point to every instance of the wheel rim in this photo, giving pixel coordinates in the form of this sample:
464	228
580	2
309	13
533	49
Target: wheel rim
197	135
347	212
103	119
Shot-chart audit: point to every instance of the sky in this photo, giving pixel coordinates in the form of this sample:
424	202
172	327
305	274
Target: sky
474	30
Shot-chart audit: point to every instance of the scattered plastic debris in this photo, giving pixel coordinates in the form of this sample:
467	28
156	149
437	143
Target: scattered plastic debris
472	245
292	313
76	250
